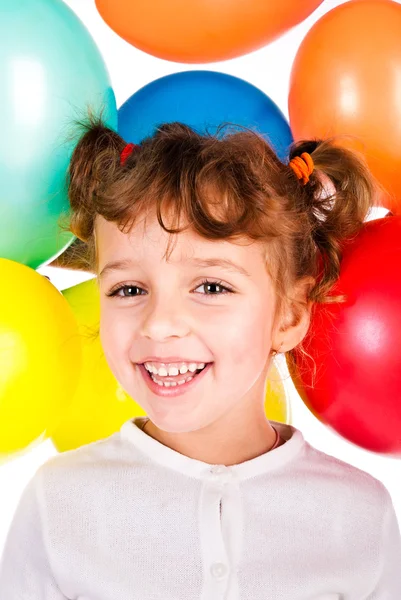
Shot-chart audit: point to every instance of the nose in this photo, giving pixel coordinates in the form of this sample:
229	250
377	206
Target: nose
164	317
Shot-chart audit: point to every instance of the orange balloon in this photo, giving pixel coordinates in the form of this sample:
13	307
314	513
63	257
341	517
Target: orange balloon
202	31
346	80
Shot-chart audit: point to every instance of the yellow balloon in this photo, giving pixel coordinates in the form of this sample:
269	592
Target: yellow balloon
40	358
277	400
100	406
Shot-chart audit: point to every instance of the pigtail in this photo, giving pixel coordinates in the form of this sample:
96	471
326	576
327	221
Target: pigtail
338	198
93	165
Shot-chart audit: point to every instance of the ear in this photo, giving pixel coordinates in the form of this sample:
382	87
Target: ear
295	316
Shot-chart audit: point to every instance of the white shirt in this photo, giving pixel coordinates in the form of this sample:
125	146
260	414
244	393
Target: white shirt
127	518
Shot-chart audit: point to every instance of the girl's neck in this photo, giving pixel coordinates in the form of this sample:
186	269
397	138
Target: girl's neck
230	450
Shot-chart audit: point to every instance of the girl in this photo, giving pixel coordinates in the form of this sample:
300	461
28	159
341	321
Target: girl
206	499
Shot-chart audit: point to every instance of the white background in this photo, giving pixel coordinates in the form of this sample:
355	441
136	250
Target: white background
130	69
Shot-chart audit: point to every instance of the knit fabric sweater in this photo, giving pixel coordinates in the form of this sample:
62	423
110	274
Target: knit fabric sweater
128	518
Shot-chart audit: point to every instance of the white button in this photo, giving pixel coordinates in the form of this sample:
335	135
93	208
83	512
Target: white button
218	469
220	474
219	570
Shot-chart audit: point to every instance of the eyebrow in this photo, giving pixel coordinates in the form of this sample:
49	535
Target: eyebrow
225	263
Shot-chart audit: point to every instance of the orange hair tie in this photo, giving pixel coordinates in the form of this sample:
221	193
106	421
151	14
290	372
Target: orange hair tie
303	166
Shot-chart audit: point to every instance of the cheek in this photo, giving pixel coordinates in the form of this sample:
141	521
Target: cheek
243	337
114	336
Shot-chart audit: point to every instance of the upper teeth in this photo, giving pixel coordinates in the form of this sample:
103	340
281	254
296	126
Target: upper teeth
173	368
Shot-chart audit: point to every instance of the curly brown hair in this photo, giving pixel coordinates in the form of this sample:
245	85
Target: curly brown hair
226	186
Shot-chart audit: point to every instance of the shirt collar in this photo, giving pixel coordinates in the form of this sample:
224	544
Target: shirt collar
167	457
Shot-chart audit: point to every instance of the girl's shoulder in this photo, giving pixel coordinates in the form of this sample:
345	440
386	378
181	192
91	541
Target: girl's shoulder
342	476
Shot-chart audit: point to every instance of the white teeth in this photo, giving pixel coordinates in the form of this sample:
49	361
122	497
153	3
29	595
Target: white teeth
171	383
173	369
162	371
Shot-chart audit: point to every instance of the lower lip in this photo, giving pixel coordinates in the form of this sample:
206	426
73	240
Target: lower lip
175	390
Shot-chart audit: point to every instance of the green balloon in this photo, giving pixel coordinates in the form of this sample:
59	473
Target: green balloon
51	73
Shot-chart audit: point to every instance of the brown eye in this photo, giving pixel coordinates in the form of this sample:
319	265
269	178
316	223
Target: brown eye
128	288
213	285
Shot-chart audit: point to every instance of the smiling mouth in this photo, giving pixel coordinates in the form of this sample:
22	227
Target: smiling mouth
173	387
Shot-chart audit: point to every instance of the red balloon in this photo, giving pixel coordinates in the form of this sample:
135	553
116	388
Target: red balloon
202	31
356	345
345	81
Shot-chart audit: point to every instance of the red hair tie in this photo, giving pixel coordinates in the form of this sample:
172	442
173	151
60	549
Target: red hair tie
126	152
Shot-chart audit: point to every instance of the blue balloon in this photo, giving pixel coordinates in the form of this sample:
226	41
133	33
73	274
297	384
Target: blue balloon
203	100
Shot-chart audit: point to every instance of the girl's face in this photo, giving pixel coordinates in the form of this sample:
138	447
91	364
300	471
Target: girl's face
167	310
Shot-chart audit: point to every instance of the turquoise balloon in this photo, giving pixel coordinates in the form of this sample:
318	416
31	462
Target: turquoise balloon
51	72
